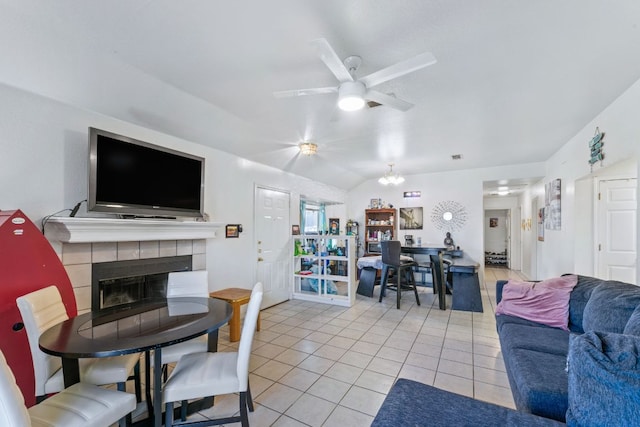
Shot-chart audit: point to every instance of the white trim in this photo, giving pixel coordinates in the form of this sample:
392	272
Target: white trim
84	230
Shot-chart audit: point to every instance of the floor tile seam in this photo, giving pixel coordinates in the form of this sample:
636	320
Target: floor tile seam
288	407
317	397
347	392
493	384
345	407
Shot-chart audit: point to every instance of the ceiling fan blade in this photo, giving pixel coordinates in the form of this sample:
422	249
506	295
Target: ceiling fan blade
388	100
400	69
332	60
303	92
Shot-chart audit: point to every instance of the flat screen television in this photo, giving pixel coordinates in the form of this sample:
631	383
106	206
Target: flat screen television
136	178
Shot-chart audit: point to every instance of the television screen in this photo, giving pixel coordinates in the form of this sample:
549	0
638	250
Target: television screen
132	177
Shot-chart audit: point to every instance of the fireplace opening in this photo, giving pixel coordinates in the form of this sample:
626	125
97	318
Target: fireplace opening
125	282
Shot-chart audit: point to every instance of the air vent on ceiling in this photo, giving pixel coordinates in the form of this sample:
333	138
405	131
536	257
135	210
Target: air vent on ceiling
456	156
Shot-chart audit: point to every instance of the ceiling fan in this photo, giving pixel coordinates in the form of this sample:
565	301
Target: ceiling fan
352	91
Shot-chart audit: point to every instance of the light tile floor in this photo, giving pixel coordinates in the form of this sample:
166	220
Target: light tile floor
322	365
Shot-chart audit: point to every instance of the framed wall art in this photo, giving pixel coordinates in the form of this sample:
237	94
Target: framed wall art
232	231
411	218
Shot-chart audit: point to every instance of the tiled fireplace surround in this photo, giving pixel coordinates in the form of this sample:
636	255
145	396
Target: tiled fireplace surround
77	259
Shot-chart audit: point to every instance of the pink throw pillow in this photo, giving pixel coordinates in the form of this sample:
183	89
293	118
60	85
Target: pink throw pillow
545	302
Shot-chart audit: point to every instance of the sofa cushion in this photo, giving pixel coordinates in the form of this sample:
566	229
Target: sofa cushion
538	382
578	300
604	379
505	319
610	307
538	338
410	403
545	302
633	325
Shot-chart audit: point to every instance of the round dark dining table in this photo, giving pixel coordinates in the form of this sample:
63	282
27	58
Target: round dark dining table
146	325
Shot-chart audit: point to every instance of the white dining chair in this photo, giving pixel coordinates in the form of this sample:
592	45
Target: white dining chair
186	284
44	308
80	405
210	374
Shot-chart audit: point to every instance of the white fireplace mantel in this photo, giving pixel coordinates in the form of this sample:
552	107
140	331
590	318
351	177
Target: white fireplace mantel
84	230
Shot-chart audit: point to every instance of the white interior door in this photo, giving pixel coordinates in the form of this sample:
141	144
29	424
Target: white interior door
617	251
273	254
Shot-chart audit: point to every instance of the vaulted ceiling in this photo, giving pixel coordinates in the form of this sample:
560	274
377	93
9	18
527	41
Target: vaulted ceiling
514	80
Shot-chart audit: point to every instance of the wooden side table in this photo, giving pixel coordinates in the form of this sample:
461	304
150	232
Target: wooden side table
236	297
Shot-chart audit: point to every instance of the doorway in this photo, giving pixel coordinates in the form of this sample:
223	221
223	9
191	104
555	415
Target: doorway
273	254
497	237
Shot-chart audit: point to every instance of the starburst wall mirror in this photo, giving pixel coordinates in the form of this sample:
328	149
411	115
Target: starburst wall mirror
449	215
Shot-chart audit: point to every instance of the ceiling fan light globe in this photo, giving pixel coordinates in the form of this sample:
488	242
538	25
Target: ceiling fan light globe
351	103
351	96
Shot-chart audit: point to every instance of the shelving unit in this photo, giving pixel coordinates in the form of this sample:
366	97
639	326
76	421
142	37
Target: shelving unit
495	259
379	225
324	269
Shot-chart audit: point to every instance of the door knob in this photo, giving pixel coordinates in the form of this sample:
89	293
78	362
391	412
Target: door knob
260	259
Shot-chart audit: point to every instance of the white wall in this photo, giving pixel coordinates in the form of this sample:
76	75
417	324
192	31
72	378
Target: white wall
567	250
464	187
43	169
558	253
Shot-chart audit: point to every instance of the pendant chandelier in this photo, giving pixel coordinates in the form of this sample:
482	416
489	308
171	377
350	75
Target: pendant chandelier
390	177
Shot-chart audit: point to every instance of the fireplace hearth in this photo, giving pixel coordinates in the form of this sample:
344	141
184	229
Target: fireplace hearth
123	282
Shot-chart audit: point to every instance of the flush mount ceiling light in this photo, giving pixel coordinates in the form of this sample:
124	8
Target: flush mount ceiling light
308	148
391	178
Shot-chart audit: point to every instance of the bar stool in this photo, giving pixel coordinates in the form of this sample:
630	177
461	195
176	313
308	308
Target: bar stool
403	271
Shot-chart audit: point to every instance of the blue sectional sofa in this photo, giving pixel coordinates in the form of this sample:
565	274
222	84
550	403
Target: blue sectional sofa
535	355
410	403
588	375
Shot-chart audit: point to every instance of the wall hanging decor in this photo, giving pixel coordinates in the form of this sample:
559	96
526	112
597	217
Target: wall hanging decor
541	225
334	226
411	219
552	205
595	148
449	215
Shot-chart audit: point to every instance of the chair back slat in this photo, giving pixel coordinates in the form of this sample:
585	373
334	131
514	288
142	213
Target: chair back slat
390	250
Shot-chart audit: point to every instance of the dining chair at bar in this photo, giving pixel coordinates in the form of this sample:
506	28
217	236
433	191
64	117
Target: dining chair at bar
402	270
439	276
205	374
186	284
44	308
